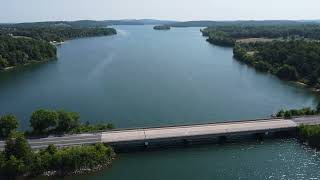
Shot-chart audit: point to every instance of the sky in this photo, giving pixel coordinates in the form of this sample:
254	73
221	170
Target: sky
13	11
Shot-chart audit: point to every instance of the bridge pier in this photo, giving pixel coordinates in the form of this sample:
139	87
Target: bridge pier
186	142
222	139
260	136
146	144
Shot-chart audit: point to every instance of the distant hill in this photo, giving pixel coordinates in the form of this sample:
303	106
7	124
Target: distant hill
90	23
156	22
244	23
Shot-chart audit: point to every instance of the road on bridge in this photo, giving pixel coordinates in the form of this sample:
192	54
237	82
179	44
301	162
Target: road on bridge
189	131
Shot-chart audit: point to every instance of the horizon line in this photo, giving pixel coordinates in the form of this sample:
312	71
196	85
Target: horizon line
155	19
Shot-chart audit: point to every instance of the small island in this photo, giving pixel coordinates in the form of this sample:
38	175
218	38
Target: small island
162	27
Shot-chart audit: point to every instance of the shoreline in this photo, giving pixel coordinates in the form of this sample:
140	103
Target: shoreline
54	43
304	85
313	89
7	69
84	171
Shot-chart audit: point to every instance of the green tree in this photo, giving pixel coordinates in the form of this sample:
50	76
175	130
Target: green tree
287	72
8	123
318	107
14	167
68	121
2	160
3	62
51	149
287	114
18	147
43	120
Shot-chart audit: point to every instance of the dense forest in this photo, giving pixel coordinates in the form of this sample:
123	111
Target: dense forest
291	52
88	23
57	34
296	60
228	35
22	44
19	51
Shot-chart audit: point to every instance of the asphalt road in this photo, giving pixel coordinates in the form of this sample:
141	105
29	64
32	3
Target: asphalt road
145	134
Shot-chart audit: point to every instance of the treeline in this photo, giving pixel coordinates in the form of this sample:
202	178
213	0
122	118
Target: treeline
57	33
290	60
20	45
19	51
44	122
307	111
228	35
18	159
219	38
88	23
47	122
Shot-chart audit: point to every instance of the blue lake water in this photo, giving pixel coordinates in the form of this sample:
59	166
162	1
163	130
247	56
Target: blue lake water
143	77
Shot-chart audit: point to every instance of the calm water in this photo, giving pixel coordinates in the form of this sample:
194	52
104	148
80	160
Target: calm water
143	77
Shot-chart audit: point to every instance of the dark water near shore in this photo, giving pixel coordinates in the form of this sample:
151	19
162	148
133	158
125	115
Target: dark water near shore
143	77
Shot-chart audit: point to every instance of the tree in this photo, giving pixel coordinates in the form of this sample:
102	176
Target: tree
18	147
2	160
3	62
43	120
51	149
313	79
280	113
67	121
318	107
261	66
287	115
8	123
287	72
13	167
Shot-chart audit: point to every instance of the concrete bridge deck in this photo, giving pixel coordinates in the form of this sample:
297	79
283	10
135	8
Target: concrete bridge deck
118	137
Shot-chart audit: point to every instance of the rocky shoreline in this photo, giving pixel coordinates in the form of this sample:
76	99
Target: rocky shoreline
82	171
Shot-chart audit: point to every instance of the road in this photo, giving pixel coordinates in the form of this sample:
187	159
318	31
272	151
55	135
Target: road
174	132
68	140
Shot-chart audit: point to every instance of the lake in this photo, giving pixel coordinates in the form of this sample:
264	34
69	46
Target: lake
141	78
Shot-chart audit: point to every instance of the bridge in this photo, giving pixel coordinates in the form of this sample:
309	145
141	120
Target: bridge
185	133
